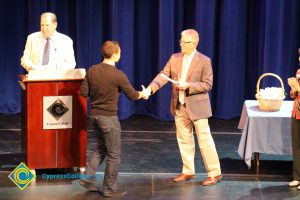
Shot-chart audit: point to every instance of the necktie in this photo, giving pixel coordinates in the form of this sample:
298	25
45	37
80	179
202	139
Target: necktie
184	71
46	53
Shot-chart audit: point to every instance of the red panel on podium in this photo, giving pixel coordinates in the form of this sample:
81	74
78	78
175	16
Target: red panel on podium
54	148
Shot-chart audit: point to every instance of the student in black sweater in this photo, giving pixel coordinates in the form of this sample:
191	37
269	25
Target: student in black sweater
103	84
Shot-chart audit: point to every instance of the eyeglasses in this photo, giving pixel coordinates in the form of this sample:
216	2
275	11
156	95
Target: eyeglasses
185	42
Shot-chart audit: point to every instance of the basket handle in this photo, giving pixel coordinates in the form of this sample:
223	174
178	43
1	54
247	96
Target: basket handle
269	74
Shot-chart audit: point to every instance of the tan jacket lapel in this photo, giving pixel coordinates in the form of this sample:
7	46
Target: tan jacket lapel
179	66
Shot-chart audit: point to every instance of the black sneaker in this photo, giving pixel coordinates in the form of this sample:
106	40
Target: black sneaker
117	193
91	185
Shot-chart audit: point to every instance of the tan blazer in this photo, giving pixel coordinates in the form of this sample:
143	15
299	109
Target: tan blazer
200	77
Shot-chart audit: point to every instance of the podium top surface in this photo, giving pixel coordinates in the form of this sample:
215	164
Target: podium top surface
53	75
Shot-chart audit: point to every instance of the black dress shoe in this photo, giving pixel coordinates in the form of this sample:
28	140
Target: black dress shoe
91	185
117	193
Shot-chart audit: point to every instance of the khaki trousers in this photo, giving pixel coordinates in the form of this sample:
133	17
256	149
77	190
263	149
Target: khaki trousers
186	143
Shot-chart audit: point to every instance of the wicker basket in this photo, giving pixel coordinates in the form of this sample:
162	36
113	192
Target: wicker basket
269	105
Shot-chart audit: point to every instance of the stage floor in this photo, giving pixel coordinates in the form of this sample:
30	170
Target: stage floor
150	159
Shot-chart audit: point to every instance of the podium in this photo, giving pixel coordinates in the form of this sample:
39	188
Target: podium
53	124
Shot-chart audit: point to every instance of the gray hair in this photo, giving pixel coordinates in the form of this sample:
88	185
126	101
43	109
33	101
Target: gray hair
192	33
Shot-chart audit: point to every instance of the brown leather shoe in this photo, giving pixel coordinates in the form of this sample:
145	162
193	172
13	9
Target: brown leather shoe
211	180
182	178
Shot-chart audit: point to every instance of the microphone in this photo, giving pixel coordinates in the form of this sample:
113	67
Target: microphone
55	52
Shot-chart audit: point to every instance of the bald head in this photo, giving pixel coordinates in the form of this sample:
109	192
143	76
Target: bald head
50	15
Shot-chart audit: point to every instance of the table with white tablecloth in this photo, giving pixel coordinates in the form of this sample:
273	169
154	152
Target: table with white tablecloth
265	132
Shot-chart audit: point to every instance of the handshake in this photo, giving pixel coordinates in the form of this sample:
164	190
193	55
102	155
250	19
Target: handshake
180	85
145	93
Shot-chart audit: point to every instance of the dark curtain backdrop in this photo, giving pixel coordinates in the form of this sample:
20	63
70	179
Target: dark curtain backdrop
244	39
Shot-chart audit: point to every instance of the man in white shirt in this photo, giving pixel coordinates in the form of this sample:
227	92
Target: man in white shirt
48	49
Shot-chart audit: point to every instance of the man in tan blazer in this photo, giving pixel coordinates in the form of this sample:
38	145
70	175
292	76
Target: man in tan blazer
190	105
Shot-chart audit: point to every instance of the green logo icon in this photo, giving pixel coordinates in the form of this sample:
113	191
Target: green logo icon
21	176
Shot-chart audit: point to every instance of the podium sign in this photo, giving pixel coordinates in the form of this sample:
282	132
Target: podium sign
53	120
57	112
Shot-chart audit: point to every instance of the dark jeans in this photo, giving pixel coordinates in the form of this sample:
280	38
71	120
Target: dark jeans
108	133
296	148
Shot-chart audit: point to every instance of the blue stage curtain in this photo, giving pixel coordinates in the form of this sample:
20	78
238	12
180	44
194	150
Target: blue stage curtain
244	39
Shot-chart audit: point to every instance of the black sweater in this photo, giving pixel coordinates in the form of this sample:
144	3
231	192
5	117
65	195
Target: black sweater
103	84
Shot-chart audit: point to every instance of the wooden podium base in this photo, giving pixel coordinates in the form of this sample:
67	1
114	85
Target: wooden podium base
55	148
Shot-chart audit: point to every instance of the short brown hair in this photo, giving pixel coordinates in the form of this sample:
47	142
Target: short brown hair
109	48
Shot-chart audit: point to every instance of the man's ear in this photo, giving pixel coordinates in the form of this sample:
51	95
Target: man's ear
55	24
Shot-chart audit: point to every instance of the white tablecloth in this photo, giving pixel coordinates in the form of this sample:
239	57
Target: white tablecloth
265	132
